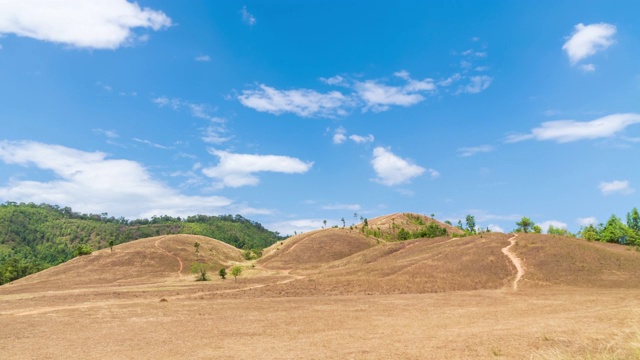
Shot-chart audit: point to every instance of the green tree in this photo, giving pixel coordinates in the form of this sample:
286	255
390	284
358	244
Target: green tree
366	222
343	223
110	244
223	273
614	231
589	233
236	271
525	225
537	229
471	224
197	246
633	220
325	223
200	270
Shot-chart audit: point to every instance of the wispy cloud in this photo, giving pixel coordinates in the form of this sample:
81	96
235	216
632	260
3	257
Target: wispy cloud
564	131
586	40
236	170
247	17
375	95
470	151
616	187
302	102
149	143
106	24
203	58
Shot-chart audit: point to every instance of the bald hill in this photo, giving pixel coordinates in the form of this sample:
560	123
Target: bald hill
35	237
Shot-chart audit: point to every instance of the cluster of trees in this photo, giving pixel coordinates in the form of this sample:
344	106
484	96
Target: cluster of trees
35	237
202	269
614	230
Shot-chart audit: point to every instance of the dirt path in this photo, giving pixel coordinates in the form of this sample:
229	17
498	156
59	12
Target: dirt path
517	262
170	254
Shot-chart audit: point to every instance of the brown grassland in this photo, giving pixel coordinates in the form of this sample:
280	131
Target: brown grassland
333	294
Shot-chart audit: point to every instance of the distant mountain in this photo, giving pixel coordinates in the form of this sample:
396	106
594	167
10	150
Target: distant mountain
35	237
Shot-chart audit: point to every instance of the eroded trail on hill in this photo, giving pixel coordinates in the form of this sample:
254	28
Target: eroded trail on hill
170	254
517	262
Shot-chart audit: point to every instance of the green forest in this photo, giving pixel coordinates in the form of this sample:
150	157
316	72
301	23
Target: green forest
35	237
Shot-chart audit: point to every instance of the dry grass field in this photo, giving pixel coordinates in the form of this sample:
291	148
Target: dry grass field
333	294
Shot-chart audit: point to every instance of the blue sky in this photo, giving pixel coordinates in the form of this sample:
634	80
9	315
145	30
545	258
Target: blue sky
291	113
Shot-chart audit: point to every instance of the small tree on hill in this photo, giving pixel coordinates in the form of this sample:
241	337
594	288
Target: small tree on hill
110	243
537	229
343	223
200	270
525	225
236	271
325	223
223	273
471	224
197	246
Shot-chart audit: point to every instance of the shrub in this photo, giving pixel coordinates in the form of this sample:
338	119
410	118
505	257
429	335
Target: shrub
83	249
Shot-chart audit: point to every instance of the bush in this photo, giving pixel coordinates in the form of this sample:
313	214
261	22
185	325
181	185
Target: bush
82	249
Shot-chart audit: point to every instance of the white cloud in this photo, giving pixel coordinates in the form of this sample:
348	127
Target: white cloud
393	170
302	102
470	151
358	139
236	170
335	80
563	131
586	221
105	24
339	135
616	186
477	84
588	67
203	58
247	18
555	223
450	80
495	228
90	182
587	40
350	207
380	97
213	134
296	226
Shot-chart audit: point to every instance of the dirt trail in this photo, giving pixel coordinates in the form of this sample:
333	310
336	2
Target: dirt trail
170	254
517	262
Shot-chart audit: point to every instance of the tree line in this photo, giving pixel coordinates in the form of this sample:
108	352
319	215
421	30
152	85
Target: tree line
34	237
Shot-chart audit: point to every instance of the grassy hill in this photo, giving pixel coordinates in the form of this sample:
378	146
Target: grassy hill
35	237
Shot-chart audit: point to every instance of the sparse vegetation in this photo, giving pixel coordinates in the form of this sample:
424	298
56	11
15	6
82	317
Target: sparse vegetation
236	271
223	273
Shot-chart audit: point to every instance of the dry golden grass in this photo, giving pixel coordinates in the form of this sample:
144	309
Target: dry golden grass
437	298
559	260
315	248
